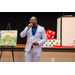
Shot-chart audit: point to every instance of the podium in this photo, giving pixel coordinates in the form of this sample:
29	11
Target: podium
66	30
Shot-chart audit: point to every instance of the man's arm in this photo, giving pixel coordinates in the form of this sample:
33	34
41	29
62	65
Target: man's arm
24	32
44	38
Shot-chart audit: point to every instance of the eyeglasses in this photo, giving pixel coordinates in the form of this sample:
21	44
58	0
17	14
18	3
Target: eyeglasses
31	20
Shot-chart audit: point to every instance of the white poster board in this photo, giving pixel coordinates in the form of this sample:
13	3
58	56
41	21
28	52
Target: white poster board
66	30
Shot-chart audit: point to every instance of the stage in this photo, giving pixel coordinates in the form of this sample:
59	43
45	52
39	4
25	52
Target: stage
19	56
21	47
49	54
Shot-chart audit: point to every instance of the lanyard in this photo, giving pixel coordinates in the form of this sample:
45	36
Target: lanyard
32	32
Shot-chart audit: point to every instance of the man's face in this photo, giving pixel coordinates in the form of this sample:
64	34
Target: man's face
33	21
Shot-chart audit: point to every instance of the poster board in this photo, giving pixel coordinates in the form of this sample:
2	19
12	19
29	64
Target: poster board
66	30
8	37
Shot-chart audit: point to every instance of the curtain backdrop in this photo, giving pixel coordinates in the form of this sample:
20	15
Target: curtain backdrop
19	20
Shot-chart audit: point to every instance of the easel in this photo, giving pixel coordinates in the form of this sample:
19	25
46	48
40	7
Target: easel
8	26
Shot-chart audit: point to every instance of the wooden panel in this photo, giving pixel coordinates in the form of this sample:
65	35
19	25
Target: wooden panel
21	47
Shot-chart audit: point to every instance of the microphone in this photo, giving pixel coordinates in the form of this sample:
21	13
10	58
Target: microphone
30	26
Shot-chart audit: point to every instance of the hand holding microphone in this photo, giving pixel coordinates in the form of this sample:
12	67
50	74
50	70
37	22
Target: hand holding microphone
30	25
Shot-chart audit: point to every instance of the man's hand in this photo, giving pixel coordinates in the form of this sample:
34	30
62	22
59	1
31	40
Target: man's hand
30	25
36	44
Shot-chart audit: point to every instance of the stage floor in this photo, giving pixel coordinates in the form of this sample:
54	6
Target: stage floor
49	54
19	56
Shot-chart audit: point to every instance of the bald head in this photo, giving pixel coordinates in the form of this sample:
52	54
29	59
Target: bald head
33	17
33	20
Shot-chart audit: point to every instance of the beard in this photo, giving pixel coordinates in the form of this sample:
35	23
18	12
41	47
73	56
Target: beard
34	24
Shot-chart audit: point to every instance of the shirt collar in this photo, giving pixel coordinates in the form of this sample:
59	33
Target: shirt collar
35	27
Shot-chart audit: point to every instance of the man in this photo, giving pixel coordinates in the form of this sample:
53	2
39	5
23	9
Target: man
37	32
